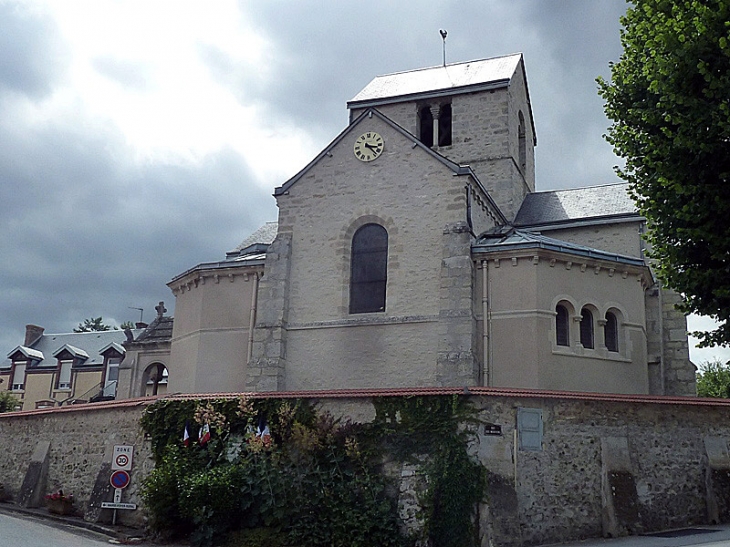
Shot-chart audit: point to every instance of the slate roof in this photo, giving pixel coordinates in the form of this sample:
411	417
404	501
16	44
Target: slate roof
505	238
250	251
263	236
438	80
90	343
562	206
160	330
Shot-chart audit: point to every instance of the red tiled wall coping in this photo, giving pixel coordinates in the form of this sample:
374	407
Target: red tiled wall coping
389	392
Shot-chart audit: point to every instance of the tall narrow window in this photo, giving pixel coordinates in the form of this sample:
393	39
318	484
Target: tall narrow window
425	118
445	125
610	331
18	382
522	144
562	326
64	375
586	328
111	377
368	269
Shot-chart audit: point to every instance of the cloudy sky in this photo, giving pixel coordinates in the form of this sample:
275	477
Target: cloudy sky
140	138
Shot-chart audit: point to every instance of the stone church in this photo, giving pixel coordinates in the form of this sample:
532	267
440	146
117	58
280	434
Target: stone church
414	251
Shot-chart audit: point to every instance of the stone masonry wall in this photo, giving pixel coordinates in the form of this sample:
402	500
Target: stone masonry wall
82	439
597	465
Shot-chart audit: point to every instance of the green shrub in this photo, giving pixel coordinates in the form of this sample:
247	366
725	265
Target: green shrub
8	401
315	481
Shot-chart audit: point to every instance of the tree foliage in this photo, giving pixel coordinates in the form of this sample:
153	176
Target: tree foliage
8	401
713	380
93	324
669	100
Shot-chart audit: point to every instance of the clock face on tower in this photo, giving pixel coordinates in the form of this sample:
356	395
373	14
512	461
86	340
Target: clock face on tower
368	146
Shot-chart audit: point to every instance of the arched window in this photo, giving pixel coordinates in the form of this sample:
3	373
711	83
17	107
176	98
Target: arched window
368	269
154	379
562	326
425	118
445	125
610	332
586	328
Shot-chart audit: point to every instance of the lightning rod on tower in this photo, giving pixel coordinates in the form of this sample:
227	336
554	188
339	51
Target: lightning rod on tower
443	37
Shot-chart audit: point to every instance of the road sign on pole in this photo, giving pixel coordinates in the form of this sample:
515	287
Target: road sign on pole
119	479
122	457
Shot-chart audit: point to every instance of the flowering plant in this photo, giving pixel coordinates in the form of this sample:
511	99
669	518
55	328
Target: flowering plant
60	496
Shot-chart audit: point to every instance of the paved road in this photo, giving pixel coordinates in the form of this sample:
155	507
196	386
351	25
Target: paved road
701	536
30	532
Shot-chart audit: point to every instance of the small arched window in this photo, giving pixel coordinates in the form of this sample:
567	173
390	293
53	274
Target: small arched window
610	332
562	326
586	328
368	269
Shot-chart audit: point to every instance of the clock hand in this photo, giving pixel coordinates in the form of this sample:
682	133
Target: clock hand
370	146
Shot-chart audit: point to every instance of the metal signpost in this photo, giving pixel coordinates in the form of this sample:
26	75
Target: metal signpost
121	465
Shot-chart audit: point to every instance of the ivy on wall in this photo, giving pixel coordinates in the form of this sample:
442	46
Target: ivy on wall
279	472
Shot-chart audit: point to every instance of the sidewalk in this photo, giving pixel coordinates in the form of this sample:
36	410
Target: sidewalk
116	534
709	535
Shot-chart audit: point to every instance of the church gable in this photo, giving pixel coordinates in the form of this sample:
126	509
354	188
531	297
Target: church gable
409	190
371	261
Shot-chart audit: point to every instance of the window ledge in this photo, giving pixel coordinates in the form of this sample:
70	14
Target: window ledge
368	319
596	355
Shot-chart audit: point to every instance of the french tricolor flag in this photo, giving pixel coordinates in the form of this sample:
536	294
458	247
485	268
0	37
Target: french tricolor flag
204	435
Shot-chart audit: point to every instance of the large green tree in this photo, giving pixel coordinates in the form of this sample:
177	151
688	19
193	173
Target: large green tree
713	379
669	100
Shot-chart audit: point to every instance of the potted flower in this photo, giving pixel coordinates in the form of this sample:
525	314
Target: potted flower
60	503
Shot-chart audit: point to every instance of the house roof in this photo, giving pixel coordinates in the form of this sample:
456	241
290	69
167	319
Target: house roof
28	352
113	345
78	343
73	350
576	204
438	80
506	238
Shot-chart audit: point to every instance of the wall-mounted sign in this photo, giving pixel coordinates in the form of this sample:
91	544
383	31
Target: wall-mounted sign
492	429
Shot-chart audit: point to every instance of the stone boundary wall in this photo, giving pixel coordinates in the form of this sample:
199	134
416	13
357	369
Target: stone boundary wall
572	466
82	440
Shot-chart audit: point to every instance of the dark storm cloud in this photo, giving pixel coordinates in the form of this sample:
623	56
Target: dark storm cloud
87	235
31	55
323	58
87	229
